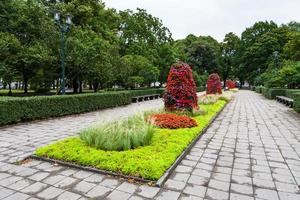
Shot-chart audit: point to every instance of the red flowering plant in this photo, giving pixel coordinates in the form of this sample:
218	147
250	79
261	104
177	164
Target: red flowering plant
172	121
181	90
230	84
214	85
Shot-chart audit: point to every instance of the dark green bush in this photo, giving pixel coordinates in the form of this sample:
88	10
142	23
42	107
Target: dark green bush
201	89
258	89
265	92
296	102
273	92
291	92
14	109
135	93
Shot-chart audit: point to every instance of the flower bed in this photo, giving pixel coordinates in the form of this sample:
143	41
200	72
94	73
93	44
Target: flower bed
172	121
147	162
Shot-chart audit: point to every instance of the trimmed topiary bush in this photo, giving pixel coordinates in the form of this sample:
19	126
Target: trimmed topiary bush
181	89
15	109
214	85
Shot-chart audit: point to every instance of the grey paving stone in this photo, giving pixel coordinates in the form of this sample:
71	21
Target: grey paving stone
10	180
17	196
68	196
52	180
84	186
216	194
146	191
68	172
82	174
39	176
19	185
34	188
98	191
95	178
136	198
168	195
288	196
175	185
118	195
286	187
180	177
50	193
234	196
127	187
242	189
189	197
183	169
66	182
265	194
263	183
195	190
219	185
110	183
4	192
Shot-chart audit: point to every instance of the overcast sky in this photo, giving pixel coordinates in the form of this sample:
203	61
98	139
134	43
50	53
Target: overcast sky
213	17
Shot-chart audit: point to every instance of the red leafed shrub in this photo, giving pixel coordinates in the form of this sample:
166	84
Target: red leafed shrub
172	121
214	85
181	91
230	84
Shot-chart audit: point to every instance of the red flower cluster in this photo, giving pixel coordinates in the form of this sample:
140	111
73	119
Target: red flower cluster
214	85
230	84
172	121
181	91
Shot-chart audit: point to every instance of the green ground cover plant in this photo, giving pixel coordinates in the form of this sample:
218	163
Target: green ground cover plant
148	162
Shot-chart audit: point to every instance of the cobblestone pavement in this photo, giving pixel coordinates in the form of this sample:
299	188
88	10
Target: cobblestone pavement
250	152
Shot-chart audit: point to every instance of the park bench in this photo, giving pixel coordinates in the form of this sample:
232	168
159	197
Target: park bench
145	98
285	100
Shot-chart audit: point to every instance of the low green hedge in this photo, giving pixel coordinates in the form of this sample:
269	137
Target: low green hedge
135	93
296	97
15	109
273	92
291	92
265	92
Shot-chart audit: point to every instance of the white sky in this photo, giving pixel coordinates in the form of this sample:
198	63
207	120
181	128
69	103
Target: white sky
213	17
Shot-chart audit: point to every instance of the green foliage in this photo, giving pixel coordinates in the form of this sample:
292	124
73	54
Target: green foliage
135	93
291	92
296	105
273	92
258	89
15	109
119	136
149	162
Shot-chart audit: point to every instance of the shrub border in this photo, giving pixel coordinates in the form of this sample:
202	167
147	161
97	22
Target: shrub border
159	183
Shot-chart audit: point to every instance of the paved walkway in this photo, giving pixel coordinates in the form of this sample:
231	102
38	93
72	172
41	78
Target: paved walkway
250	152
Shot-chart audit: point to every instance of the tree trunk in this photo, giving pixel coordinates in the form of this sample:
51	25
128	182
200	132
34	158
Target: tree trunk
96	85
9	87
90	85
75	85
25	85
80	86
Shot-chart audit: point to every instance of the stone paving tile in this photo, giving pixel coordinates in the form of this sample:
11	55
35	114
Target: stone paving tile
251	151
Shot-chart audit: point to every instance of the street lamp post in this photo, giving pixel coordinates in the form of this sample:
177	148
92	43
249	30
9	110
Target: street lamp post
64	28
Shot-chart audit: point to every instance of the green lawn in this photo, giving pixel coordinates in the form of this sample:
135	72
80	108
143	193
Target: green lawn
149	162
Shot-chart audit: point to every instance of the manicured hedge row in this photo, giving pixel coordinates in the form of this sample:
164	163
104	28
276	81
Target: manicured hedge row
135	93
273	92
291	92
15	109
296	97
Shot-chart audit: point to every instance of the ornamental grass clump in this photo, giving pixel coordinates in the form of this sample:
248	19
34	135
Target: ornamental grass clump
172	121
181	90
214	85
119	136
